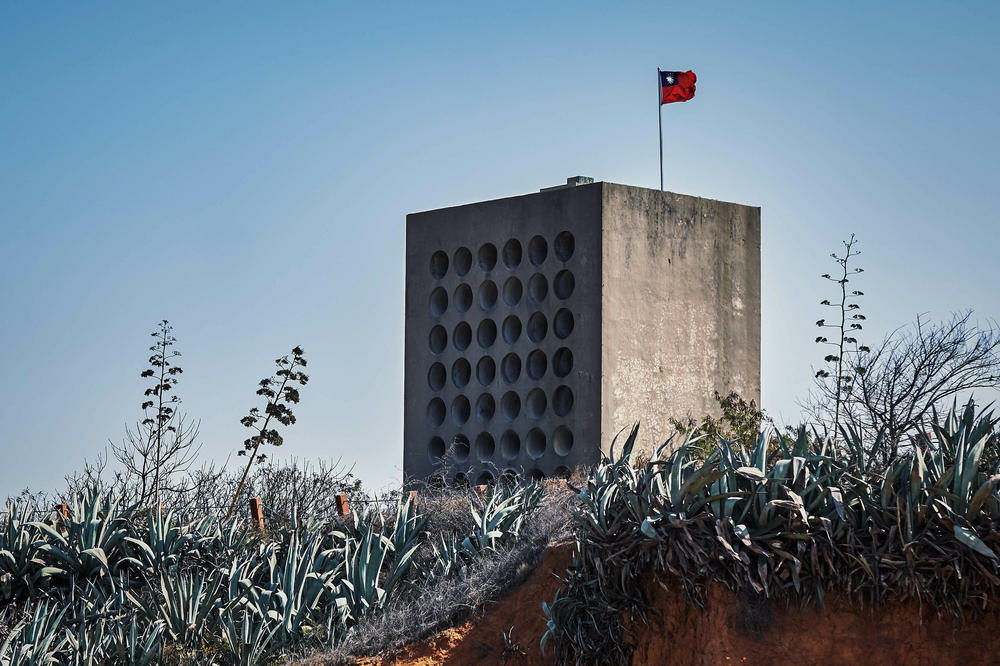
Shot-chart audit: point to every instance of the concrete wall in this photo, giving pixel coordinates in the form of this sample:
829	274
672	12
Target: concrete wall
681	307
557	423
651	303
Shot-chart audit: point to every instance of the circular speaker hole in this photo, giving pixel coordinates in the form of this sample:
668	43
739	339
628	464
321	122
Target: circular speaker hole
485	479
562	440
563	285
537	364
512	291
538	288
564	246
535	443
462	336
536	475
460	448
510	405
535	403
438	339
486	370
563	323
463	297
435	412
487	295
486	407
510	445
436	376
562	362
436	448
538	249
439	301
461	371
485	446
511	329
488	257
512	254
562	400
510	368
562	472
463	261
439	265
538	326
460	410
486	333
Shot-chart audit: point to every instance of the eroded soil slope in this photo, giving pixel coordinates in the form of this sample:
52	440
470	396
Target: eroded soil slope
840	633
480	641
727	631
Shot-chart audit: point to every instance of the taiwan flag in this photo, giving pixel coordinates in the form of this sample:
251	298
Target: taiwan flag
676	86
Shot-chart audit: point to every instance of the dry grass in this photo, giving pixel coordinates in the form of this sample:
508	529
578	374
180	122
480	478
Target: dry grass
450	600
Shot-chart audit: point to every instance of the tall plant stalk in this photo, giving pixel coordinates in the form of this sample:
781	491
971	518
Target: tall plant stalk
279	401
849	324
164	373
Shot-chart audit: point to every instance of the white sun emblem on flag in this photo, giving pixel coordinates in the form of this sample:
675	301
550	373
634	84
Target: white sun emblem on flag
670	79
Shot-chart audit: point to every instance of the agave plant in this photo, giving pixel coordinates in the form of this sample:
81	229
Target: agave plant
164	543
953	459
219	542
248	638
336	622
20	567
296	584
85	639
504	513
365	588
87	542
132	644
191	602
406	530
449	558
37	640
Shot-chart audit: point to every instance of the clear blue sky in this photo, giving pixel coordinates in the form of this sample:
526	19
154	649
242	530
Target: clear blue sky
243	169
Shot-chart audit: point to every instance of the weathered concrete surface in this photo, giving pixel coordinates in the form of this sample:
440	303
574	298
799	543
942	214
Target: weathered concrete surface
680	307
663	291
448	230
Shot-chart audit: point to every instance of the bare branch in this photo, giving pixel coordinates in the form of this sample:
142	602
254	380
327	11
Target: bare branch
912	371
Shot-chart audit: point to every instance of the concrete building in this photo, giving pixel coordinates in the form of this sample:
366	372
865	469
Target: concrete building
538	326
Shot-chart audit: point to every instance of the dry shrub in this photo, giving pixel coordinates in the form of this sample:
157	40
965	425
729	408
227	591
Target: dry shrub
448	601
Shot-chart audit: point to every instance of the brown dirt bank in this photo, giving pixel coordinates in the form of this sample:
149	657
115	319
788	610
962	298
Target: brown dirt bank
479	641
838	633
723	632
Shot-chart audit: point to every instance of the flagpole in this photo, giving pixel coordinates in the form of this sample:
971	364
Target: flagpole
659	112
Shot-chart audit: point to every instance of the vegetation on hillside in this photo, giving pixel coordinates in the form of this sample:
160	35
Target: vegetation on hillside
107	584
786	518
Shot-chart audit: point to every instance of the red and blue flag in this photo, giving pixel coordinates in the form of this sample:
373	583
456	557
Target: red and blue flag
676	86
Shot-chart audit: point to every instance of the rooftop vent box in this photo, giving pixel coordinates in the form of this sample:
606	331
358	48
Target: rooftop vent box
570	182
